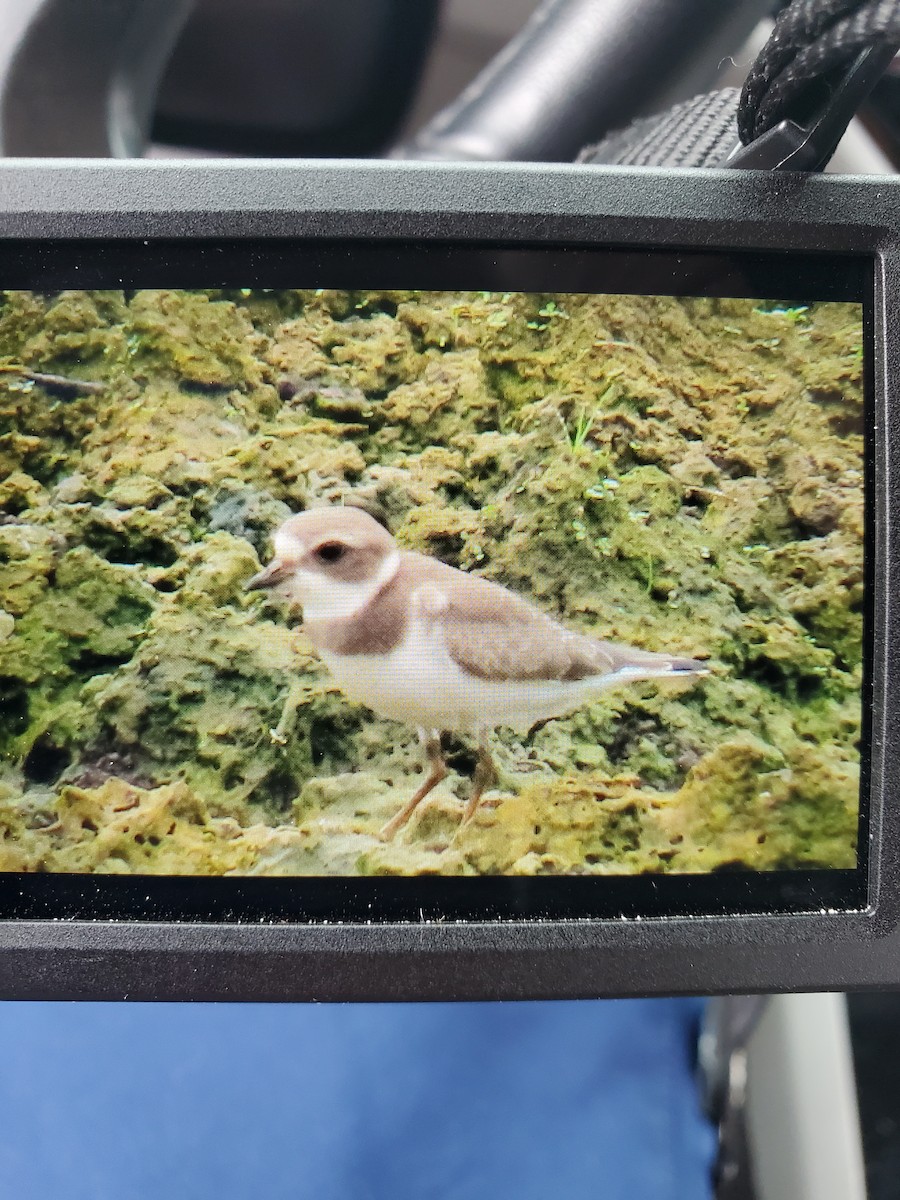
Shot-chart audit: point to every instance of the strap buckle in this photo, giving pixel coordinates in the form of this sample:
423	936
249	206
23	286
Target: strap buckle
792	146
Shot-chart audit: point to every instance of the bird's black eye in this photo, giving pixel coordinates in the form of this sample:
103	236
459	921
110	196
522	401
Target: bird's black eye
331	551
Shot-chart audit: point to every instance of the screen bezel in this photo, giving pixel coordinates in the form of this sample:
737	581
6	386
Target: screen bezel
693	211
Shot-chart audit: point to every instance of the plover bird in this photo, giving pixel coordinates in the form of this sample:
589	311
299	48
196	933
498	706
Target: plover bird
418	641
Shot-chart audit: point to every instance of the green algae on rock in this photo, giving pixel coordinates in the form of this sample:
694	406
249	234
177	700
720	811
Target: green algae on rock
674	474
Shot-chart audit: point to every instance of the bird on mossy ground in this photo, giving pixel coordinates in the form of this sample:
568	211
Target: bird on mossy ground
420	642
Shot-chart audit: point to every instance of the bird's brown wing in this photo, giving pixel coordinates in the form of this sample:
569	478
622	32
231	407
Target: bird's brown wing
529	649
496	635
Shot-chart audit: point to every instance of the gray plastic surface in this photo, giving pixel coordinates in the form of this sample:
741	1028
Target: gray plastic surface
510	959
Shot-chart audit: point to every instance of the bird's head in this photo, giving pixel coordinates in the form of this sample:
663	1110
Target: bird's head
330	561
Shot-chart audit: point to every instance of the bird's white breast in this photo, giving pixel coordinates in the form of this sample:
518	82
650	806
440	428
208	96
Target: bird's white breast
418	682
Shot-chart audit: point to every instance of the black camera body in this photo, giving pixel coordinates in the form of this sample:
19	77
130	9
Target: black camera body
780	244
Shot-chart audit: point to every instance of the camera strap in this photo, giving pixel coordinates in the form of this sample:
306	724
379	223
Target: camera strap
819	64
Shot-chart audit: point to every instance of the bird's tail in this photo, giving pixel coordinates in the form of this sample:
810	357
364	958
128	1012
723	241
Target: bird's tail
632	664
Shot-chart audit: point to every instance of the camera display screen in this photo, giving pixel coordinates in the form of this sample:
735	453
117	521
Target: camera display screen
551	581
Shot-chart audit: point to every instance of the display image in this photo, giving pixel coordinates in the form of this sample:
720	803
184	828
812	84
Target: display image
333	583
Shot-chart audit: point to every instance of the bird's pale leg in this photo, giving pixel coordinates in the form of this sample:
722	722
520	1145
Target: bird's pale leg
485	774
432	742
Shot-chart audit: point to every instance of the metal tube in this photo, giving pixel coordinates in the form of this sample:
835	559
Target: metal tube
580	68
79	77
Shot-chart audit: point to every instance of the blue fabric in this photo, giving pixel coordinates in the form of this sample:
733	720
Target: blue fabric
214	1102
